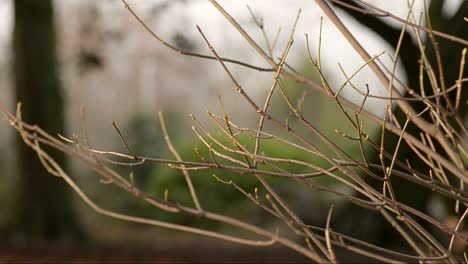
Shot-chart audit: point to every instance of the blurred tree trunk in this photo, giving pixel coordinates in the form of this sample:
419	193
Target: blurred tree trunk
43	210
450	54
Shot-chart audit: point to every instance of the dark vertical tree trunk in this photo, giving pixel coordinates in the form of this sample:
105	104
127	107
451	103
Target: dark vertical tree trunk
44	208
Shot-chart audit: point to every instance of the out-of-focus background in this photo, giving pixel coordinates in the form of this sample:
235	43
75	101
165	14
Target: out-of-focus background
109	65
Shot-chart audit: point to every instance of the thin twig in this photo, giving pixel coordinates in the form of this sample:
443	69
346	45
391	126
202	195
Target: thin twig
178	158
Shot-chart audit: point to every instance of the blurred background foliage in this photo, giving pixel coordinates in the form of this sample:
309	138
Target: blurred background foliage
145	137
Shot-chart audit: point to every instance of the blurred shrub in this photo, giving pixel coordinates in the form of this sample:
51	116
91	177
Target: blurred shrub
215	195
145	137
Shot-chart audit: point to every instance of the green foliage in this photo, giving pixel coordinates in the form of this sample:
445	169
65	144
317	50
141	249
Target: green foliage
213	194
216	196
223	198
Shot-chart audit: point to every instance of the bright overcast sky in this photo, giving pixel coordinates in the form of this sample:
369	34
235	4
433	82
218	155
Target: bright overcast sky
280	13
276	13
